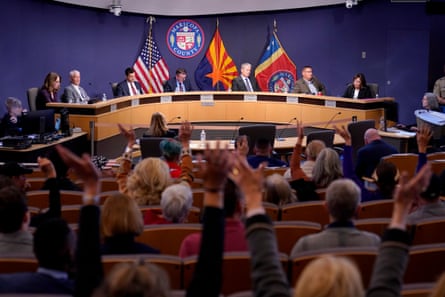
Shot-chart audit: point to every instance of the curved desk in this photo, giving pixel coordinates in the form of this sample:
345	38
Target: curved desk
319	111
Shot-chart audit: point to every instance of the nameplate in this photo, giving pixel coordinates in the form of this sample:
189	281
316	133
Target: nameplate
250	98
113	107
330	103
207	100
166	99
291	99
134	102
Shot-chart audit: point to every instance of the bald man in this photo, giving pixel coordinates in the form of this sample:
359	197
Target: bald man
368	157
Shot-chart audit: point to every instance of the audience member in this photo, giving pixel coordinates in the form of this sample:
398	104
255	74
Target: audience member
48	92
439	88
312	151
17	173
129	86
327	168
54	249
171	151
263	153
368	157
179	83
63	181
158	127
176	201
234	228
342	202
278	191
308	83
74	93
11	123
245	82
430	102
358	89
121	222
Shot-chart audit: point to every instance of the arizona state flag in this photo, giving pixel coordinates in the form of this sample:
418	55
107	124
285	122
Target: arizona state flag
217	69
276	72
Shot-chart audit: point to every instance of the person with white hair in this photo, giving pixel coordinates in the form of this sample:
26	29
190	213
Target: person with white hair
74	93
11	123
342	201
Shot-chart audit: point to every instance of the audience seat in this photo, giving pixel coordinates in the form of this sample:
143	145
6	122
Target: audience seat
171	264
198	197
150	147
272	170
38	199
194	215
376	209
272	210
167	238
437	166
288	233
426	263
357	130
364	258
70	213
109	184
436	156
321	193
36	183
327	136
417	290
429	231
403	162
13	264
236	271
373	225
312	211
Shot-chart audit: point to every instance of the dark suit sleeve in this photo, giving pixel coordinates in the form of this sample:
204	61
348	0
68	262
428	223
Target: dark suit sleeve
235	84
139	87
255	85
366	93
188	85
347	93
167	87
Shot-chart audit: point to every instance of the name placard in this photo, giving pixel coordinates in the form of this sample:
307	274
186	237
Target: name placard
250	98
207	100
166	99
135	102
330	103
113	107
292	99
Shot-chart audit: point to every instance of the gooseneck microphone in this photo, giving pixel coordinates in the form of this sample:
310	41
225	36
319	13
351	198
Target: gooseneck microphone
332	118
279	138
238	123
173	119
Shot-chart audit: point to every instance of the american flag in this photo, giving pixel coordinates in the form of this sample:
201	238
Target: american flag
150	68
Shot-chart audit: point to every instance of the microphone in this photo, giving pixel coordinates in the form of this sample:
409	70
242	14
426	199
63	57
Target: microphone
236	129
279	138
332	118
174	118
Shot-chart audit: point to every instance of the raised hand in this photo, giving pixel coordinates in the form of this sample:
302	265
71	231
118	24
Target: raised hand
423	137
242	145
47	167
343	132
185	133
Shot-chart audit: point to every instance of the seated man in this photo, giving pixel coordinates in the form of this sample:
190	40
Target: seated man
263	152
430	204
342	201
17	173
244	82
368	157
179	83
308	83
129	87
234	228
74	93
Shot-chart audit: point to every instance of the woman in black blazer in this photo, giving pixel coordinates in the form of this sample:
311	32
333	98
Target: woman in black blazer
358	89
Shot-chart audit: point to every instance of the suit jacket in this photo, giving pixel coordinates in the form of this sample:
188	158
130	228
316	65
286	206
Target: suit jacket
239	85
35	283
123	90
302	87
368	157
364	92
427	211
43	97
70	94
170	85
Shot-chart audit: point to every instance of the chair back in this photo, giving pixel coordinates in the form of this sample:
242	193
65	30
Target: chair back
374	225
403	162
357	130
436	156
150	147
417	290
426	263
289	232
374	88
31	93
19	263
327	136
429	231
312	211
438	166
114	88
376	209
255	132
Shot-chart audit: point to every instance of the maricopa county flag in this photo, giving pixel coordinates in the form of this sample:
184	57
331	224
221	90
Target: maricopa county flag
276	72
217	69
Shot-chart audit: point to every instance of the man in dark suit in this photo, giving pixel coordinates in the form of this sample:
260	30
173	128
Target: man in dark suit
244	82
129	86
309	84
179	83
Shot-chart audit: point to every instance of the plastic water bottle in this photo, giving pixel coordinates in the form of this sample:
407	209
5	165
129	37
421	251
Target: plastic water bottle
382	124
203	138
104	97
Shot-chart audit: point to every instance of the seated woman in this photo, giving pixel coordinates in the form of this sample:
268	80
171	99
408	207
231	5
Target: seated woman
358	89
278	190
11	123
121	221
430	102
158	127
48	92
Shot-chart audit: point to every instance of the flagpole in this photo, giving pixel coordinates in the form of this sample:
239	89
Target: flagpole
217	51
151	20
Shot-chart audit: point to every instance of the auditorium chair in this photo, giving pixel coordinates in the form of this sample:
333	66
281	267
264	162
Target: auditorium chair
109	184
38	199
376	209
289	232
198	197
31	93
417	290
436	156
426	263
150	147
429	231
255	132
312	211
357	130
437	166
19	263
236	271
327	136
114	88
374	88
194	215
403	162
272	210
70	213
272	170
167	238
171	264
363	257
35	183
373	225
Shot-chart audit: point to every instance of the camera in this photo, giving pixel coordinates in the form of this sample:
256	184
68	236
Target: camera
349	3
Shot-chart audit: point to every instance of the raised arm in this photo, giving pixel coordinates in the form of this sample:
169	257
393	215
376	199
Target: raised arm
423	137
125	161
295	160
185	133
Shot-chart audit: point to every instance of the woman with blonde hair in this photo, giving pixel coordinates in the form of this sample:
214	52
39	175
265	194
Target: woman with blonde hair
278	190
121	222
327	168
158	127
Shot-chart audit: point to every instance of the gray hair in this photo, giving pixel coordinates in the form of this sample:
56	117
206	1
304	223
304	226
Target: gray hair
12	102
278	190
176	201
342	199
433	103
245	65
73	72
327	168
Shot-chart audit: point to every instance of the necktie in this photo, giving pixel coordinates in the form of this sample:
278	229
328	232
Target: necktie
181	87
248	85
133	89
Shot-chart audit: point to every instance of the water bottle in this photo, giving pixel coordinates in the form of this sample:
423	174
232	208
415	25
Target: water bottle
203	138
377	95
104	97
382	124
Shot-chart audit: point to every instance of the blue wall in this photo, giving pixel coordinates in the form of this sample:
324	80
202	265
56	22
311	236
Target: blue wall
402	45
